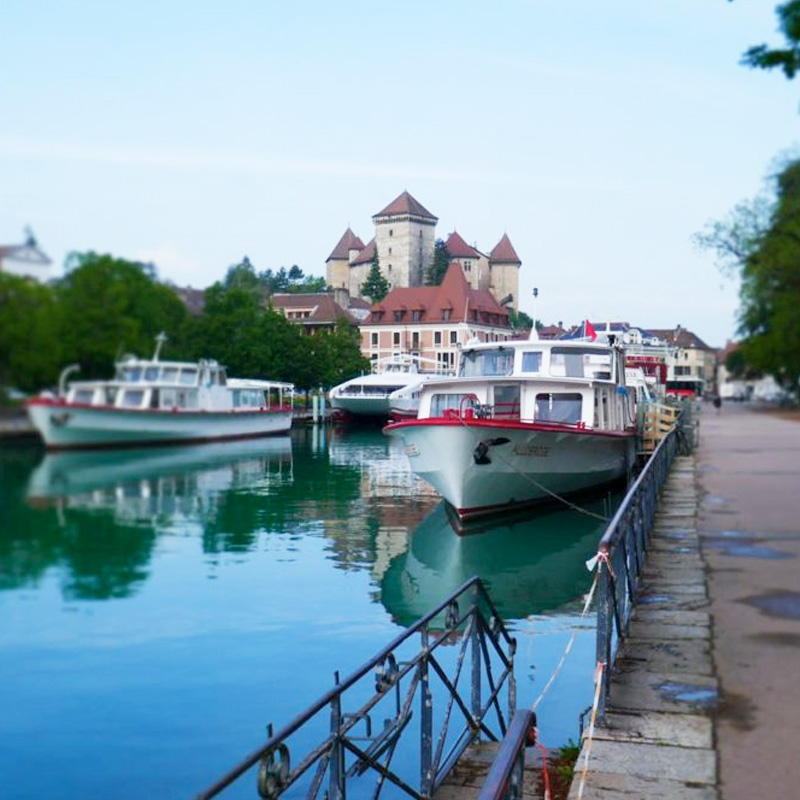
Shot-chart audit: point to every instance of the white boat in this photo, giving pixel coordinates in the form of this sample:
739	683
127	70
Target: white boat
371	395
524	421
150	401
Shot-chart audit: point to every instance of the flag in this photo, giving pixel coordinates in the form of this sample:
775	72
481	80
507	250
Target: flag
589	331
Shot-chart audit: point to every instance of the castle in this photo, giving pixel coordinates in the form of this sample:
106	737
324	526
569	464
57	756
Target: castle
404	244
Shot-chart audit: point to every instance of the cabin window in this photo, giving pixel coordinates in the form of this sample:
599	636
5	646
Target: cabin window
578	363
132	398
532	361
565	408
486	363
84	395
188	377
154	398
506	401
455	402
168	399
151	374
132	374
169	374
186	399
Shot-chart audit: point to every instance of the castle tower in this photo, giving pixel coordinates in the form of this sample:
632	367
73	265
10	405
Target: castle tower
473	263
404	239
337	265
504	265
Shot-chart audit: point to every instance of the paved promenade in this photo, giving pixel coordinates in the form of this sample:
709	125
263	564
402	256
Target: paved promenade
705	701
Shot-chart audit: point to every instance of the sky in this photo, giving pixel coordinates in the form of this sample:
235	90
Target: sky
600	136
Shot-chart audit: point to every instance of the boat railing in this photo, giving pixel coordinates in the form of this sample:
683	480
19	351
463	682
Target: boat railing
623	547
434	699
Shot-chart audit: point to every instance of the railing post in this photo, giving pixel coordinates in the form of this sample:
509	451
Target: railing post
603	649
426	721
336	790
476	661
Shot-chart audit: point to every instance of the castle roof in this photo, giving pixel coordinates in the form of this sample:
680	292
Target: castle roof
457	248
348	242
504	252
404	205
453	294
366	256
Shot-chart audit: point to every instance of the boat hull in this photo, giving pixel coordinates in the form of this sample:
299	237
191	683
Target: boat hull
67	426
487	467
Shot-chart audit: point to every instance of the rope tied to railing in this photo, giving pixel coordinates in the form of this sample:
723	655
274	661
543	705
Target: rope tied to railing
598	683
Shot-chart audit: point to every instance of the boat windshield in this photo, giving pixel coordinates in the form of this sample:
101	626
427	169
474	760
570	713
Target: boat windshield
486	363
570	362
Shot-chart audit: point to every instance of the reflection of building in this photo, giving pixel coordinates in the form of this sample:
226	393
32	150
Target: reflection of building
404	245
25	260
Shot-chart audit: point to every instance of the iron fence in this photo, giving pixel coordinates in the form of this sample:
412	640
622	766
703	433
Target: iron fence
457	677
623	546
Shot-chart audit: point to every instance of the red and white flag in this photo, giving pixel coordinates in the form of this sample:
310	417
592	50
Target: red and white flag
589	332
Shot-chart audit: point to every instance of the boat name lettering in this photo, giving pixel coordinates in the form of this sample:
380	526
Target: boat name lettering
540	450
411	450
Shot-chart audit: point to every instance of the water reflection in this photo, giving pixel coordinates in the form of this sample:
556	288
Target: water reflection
530	564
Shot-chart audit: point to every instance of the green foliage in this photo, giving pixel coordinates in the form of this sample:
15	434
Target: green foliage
439	265
786	58
376	287
108	306
520	321
30	341
765	247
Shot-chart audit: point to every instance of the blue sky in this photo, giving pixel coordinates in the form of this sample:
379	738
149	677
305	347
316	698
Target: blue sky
598	136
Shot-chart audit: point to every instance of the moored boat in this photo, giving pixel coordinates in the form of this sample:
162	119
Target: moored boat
524	421
371	395
150	401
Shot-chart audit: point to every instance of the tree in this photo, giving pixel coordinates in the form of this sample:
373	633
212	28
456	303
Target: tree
376	287
762	241
30	344
786	58
109	306
439	265
520	321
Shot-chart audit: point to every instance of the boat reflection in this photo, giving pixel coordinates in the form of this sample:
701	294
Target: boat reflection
530	564
142	485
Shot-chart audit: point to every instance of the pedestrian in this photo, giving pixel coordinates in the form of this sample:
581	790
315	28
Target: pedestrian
717	403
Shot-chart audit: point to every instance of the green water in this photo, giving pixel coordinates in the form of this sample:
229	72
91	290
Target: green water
159	607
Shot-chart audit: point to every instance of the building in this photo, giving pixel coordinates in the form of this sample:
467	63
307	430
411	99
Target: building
692	360
319	311
433	322
404	245
26	260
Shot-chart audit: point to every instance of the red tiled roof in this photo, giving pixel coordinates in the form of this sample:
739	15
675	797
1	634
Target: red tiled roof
405	204
348	242
457	248
453	293
324	309
679	337
367	255
504	252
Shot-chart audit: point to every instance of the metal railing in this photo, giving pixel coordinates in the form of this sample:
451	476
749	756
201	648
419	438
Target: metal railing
457	675
623	546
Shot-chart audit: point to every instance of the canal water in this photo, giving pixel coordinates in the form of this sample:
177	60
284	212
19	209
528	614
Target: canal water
159	607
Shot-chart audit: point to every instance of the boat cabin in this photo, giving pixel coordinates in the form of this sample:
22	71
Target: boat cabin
562	383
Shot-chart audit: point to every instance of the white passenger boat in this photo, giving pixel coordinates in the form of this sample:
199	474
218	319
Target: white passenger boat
524	421
150	401
371	395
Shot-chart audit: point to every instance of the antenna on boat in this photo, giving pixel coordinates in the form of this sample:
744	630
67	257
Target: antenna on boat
533	336
160	339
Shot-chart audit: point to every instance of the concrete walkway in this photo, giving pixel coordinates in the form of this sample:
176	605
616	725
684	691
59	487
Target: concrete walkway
705	700
748	466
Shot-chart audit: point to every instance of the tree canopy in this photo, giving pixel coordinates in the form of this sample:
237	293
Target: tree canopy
786	58
439	264
376	287
761	241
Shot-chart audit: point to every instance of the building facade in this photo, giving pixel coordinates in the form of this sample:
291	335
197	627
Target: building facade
26	260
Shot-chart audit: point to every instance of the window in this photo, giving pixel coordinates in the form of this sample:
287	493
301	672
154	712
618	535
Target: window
437	338
532	361
492	362
415	340
396	339
440	403
151	374
84	396
169	374
398	315
506	401
453	337
416	315
446	314
390	251
580	363
467	266
373	339
564	408
391	232
132	398
188	376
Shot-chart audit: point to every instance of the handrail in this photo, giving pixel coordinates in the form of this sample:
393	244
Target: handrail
504	780
347	748
623	546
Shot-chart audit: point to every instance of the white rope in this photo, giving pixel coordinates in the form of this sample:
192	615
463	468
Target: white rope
598	681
